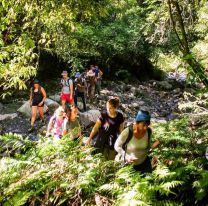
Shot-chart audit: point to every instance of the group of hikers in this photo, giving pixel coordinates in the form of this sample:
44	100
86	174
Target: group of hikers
128	146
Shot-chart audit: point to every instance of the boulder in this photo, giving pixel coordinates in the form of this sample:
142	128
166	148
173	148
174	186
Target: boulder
164	85
55	97
8	116
199	120
25	109
51	104
89	118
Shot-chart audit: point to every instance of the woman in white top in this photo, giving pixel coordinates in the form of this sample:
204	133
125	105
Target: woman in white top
133	144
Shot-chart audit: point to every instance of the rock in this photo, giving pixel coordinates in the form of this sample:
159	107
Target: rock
127	88
204	96
164	85
199	120
51	104
105	91
133	90
8	116
1	129
177	90
89	118
136	105
1	106
55	97
124	107
42	130
25	109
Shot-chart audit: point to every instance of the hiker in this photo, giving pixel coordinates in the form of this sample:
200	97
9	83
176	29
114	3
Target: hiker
55	125
133	144
108	126
85	77
98	79
80	90
71	125
91	79
67	90
37	99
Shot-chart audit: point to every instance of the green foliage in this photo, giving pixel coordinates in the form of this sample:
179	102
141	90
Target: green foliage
64	172
183	151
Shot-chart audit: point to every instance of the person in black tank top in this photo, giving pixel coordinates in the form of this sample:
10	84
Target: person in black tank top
37	98
108	126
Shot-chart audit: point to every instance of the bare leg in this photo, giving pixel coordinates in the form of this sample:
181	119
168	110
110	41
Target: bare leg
63	103
41	112
34	113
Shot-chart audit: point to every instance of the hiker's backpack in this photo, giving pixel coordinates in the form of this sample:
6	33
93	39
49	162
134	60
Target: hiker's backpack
66	83
130	135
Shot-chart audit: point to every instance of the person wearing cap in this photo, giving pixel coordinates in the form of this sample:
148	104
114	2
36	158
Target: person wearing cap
37	99
80	90
133	144
107	128
67	90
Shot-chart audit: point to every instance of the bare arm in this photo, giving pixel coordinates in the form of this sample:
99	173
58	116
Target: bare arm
71	90
94	131
50	126
155	144
44	94
30	97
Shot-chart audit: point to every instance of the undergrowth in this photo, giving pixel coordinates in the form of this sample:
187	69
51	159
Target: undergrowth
51	172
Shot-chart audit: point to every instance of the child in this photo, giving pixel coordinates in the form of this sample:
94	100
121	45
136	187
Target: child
55	126
71	124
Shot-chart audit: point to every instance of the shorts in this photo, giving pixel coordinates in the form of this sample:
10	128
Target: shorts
35	104
144	167
66	97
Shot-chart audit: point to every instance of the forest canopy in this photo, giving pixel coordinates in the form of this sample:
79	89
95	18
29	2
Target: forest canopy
123	36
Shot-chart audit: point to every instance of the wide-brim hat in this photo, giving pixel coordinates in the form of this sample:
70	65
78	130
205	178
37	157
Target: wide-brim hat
64	73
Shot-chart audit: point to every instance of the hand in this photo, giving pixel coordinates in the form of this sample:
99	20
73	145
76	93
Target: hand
40	104
154	162
131	160
88	141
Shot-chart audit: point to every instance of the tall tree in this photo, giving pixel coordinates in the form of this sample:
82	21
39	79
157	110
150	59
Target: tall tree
178	24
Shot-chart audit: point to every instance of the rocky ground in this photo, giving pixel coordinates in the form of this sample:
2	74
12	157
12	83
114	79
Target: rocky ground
165	100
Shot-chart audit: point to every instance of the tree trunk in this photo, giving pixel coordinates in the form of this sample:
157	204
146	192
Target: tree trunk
197	68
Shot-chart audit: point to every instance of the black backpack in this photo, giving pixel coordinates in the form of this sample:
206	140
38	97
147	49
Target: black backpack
130	135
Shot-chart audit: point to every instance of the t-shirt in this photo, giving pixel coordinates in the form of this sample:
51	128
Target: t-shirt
66	85
72	127
110	127
136	148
